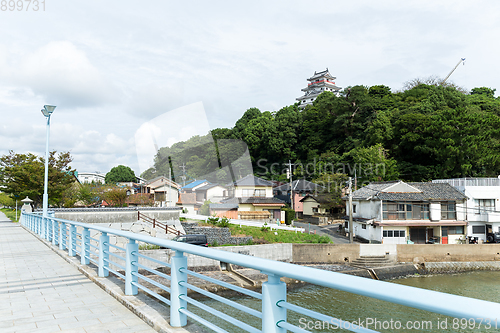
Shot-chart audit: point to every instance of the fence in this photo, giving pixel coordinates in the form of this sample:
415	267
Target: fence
273	316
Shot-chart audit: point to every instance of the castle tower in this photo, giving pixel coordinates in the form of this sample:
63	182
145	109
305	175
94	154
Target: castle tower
319	82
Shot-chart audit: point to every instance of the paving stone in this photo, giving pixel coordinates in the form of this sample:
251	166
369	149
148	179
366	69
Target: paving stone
41	292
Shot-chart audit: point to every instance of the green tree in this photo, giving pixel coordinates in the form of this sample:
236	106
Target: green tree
115	196
6	200
488	92
120	173
22	175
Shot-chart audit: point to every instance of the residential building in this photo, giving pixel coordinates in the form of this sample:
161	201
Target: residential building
251	198
482	206
318	83
300	188
396	212
212	192
187	201
91	177
191	187
165	191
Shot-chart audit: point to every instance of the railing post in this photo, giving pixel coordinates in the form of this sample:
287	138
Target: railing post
54	237
72	241
62	236
103	255
85	246
178	262
273	291
131	267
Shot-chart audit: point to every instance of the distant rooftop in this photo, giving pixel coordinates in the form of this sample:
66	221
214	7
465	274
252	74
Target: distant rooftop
195	183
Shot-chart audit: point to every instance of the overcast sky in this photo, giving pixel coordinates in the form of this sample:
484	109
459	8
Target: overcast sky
113	67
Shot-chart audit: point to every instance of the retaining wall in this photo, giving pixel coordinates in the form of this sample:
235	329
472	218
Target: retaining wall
112	215
325	253
446	253
219	235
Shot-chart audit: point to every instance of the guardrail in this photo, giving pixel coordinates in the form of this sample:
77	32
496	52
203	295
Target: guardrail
273	316
159	224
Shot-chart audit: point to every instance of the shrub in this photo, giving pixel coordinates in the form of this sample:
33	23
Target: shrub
289	215
213	220
223	223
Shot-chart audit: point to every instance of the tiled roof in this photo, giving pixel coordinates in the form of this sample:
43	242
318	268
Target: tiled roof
207	187
318	198
427	192
187	198
251	180
227	206
300	185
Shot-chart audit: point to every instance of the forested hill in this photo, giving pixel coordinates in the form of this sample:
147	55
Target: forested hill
420	134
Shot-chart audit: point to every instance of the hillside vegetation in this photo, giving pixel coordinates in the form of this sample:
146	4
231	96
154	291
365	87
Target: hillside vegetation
422	133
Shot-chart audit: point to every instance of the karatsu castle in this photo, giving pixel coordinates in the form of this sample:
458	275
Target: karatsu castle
319	82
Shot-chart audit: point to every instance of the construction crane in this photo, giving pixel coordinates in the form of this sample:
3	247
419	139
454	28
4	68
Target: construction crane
462	60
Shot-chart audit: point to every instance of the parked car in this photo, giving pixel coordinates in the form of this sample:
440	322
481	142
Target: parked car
493	238
195	239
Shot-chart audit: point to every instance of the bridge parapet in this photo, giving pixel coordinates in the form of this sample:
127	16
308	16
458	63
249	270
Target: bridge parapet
129	264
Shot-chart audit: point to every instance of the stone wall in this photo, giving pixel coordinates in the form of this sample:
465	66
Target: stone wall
112	215
219	235
325	253
448	252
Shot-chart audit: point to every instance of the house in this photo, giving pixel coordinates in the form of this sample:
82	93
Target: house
191	187
396	212
212	192
165	191
300	188
315	204
91	177
187	201
482	206
252	198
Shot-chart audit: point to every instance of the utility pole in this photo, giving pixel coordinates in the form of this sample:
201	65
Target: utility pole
183	167
351	240
170	185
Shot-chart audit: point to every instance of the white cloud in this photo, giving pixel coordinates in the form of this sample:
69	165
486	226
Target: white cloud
63	75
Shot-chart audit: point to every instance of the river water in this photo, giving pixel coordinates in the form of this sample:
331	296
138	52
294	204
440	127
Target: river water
353	308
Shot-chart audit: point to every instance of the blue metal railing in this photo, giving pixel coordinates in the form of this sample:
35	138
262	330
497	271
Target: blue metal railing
273	316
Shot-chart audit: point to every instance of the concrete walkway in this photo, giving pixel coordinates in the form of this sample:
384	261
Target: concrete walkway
41	292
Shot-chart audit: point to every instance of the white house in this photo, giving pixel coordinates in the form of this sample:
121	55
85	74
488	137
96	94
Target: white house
213	192
91	177
482	205
164	191
396	212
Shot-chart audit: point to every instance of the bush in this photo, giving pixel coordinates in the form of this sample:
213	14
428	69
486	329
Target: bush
223	223
289	215
265	228
213	220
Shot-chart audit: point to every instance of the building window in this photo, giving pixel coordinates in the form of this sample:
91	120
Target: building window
452	230
484	205
315	209
363	226
405	211
448	211
354	209
394	233
260	193
247	193
478	229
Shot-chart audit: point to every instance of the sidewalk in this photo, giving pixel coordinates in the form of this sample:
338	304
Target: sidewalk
41	292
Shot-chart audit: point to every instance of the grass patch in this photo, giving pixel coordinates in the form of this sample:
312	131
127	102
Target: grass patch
149	247
265	236
11	214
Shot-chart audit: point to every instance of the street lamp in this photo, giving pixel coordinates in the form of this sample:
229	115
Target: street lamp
46	111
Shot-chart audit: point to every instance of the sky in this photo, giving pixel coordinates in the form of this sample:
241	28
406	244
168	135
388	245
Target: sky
128	77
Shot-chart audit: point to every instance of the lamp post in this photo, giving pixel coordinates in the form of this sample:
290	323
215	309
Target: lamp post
47	111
